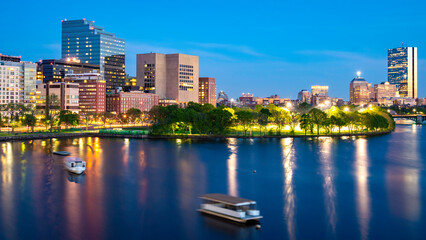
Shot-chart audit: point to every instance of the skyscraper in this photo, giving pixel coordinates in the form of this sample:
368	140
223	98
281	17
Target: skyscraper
171	76
360	91
402	70
89	43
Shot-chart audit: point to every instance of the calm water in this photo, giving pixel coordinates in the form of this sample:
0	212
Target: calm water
352	188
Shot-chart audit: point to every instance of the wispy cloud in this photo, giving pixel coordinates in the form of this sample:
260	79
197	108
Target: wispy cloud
338	55
230	48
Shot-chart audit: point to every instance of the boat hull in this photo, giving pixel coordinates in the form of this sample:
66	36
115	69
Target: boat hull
240	220
79	170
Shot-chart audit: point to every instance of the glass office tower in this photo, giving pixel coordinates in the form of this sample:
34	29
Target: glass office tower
83	40
402	70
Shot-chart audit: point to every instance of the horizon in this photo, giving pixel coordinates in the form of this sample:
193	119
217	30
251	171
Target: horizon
255	49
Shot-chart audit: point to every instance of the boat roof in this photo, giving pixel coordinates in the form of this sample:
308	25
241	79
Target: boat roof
73	159
227	199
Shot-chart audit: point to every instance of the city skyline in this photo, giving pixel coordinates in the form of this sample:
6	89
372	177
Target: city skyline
233	52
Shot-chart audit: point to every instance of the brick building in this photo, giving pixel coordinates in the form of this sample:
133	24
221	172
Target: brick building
123	101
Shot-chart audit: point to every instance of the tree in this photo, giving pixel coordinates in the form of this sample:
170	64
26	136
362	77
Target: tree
14	111
245	119
68	118
30	121
318	118
133	114
87	117
52	109
306	123
303	108
106	116
122	118
263	118
221	120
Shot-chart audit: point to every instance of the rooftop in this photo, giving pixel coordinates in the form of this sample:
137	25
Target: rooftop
227	199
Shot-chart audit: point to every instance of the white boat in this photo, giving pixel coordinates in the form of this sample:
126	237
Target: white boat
62	153
75	165
230	207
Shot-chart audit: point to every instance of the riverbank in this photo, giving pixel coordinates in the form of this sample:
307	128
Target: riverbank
29	136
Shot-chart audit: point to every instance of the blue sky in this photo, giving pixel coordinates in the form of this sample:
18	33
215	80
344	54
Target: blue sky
263	47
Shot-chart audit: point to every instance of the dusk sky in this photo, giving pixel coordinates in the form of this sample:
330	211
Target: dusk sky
261	47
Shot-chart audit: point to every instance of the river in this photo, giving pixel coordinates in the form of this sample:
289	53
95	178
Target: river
314	188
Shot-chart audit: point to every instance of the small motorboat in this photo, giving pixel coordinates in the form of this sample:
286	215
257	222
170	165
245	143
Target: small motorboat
75	165
230	207
62	153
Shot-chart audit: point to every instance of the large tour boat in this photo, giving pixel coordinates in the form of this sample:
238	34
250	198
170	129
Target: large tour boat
230	207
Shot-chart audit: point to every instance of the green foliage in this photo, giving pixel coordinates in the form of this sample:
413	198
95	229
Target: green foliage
68	118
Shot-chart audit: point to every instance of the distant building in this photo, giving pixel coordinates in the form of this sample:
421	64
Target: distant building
320	95
131	81
92	95
8	58
384	90
83	40
207	90
222	98
17	81
68	95
170	76
398	101
123	101
421	101
246	99
305	96
55	70
274	99
360	91
402	70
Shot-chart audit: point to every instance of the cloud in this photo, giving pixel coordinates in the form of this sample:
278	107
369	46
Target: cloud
337	55
230	48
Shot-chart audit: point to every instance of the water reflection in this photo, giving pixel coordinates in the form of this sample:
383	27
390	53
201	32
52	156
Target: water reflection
328	173
232	167
361	166
7	192
288	190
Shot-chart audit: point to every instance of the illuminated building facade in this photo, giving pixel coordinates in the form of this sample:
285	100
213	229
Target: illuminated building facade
402	70
170	76
68	95
123	101
360	91
18	82
384	90
55	70
320	95
305	96
83	40
92	91
207	90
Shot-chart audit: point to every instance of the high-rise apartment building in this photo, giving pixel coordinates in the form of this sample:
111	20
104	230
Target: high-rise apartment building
17	82
170	76
207	91
55	70
360	91
83	40
402	70
92	91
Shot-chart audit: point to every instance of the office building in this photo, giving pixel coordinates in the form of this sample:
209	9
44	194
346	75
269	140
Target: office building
55	70
319	95
83	40
170	76
17	81
360	91
8	58
402	70
92	91
122	101
207	91
384	90
68	95
305	96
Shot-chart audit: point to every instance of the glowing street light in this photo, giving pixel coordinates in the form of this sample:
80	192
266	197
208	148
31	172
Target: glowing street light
288	105
346	109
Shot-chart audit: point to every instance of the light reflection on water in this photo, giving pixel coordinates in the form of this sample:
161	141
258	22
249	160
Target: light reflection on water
358	188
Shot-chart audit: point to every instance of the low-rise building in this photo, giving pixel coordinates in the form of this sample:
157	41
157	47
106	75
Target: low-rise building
385	90
68	95
92	96
122	101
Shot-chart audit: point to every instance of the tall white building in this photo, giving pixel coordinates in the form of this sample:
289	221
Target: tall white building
402	70
18	82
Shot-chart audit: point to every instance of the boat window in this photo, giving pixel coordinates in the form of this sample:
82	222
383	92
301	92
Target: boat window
72	164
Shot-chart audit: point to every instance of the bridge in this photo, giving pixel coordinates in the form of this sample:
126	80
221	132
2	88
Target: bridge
417	118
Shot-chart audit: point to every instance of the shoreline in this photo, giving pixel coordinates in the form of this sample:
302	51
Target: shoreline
36	136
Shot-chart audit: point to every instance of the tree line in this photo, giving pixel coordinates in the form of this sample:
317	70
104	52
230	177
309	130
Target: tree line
272	120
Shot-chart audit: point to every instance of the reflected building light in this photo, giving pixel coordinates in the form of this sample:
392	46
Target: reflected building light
327	171
232	167
288	190
363	194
